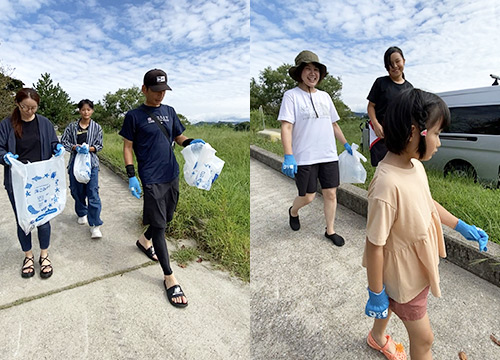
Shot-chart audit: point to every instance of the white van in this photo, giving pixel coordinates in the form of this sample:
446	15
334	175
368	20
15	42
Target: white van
471	144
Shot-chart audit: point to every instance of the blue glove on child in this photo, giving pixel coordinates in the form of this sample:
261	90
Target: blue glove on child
82	149
377	305
9	155
472	233
195	141
348	148
289	166
134	187
59	150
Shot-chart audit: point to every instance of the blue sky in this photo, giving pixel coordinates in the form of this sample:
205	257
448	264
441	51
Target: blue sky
94	47
448	45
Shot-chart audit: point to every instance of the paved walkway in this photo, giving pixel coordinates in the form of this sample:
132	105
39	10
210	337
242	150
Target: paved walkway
106	300
308	296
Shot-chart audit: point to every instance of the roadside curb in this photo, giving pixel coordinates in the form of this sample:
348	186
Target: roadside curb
459	251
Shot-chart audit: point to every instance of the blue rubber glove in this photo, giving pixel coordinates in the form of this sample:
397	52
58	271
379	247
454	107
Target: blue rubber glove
195	141
134	187
472	233
348	148
59	150
82	149
377	305
289	166
9	155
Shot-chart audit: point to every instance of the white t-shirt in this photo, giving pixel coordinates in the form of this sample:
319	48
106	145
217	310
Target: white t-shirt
313	139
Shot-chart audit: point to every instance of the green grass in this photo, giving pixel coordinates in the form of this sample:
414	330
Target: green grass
185	255
219	219
465	199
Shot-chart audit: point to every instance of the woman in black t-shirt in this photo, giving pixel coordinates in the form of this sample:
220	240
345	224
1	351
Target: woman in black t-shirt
383	90
27	136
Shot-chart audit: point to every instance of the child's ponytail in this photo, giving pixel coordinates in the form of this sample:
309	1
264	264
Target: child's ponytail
420	116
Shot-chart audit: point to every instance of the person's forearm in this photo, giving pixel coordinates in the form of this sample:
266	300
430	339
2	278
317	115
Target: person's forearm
180	139
338	133
375	266
371	112
446	217
286	137
127	154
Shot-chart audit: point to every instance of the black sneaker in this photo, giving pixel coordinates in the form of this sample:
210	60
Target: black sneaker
335	238
294	220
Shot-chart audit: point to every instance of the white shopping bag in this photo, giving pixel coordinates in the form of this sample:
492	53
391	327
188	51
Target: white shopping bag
350	168
201	166
82	167
39	191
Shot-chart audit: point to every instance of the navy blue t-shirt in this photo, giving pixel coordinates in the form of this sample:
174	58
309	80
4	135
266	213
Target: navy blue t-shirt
154	153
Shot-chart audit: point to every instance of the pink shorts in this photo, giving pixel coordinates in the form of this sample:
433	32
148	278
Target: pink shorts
414	309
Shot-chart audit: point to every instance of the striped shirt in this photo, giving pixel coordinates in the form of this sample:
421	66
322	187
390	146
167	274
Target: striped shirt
94	138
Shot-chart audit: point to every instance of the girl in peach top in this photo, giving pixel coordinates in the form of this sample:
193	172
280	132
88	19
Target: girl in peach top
404	238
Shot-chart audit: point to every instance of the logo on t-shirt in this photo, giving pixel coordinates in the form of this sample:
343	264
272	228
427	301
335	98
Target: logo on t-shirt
163	118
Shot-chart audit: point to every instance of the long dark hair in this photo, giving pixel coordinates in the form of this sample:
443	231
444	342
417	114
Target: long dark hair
413	107
15	118
387	56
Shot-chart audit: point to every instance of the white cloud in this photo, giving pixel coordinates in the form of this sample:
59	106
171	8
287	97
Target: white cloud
447	44
91	49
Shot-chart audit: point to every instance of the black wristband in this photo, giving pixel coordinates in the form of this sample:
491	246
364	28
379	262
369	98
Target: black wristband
130	170
187	142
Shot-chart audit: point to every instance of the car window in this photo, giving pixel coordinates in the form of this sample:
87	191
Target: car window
475	120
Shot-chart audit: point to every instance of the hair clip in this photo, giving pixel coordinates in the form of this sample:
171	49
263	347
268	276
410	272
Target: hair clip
423	132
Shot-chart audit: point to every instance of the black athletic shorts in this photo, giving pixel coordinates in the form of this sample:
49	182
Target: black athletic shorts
307	177
160	201
377	152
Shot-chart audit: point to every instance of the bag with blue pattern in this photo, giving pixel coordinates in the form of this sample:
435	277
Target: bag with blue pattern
39	191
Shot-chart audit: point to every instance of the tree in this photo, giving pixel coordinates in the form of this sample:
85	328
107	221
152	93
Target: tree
242	126
184	120
272	84
8	89
55	103
269	91
111	111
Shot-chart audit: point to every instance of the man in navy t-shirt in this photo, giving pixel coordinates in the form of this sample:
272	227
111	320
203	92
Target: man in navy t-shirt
158	170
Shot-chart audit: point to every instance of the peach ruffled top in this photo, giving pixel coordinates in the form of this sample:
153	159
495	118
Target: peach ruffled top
403	219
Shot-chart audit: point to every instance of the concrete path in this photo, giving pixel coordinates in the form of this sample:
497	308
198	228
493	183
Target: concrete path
107	301
308	296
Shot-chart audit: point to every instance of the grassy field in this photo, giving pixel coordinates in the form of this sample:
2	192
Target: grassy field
465	199
219	219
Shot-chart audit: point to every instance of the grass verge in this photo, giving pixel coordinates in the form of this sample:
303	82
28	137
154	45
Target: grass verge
219	219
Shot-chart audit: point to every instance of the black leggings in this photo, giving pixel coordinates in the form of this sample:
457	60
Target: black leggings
160	245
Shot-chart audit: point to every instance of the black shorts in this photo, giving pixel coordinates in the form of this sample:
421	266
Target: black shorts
307	177
160	201
377	152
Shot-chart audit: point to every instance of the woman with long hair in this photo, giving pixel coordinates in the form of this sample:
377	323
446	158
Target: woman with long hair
28	137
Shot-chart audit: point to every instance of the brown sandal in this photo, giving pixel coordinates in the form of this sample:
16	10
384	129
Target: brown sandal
45	274
31	267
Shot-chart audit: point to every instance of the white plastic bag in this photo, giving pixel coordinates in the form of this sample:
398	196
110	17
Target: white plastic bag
39	191
201	166
350	168
81	167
